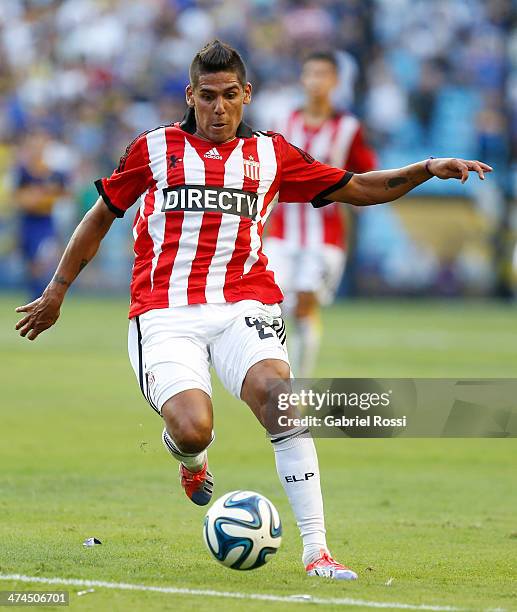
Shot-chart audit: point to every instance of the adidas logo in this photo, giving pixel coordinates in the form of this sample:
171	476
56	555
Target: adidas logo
213	154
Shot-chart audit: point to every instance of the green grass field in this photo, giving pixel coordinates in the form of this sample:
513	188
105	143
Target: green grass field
81	456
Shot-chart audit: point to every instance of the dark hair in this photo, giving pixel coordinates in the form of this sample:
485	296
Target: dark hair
217	57
322	56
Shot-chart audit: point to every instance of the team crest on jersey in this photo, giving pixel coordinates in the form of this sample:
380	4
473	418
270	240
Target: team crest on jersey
251	168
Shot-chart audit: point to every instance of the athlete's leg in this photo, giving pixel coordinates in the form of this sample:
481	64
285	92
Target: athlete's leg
187	434
251	360
173	374
188	420
295	454
317	279
306	338
297	466
295	269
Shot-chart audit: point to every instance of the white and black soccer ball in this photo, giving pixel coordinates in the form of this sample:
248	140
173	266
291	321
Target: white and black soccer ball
242	530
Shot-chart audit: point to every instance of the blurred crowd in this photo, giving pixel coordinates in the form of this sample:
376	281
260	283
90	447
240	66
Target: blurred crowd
427	77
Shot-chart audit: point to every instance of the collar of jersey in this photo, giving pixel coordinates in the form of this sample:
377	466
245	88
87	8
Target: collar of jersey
188	124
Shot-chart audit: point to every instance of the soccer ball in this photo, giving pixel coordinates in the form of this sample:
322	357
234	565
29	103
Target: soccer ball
242	530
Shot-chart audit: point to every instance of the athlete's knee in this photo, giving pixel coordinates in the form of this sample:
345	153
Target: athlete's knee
264	382
263	377
189	421
191	439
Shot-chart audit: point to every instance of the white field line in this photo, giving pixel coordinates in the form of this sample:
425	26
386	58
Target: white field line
122	586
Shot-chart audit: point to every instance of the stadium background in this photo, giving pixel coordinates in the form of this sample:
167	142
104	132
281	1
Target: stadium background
428	78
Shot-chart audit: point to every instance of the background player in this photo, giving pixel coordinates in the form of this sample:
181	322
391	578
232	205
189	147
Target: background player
37	188
200	292
306	247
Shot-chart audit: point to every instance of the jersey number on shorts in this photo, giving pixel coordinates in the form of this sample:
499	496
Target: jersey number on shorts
260	326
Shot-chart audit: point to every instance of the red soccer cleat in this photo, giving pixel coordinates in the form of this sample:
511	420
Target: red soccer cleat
198	486
326	567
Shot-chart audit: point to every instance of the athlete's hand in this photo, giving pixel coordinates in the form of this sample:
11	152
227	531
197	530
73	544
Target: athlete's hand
41	314
448	168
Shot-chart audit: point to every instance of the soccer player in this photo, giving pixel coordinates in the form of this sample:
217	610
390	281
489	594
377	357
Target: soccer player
306	246
37	188
201	293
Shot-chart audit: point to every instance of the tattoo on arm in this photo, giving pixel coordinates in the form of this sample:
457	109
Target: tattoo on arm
60	280
408	178
396	181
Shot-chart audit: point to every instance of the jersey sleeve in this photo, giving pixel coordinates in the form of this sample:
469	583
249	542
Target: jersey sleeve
361	157
304	179
129	181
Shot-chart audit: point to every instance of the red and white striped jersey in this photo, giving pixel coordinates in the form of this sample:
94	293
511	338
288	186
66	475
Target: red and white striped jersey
202	208
338	141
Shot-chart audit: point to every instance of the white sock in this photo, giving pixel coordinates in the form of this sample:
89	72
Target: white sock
298	470
194	462
304	346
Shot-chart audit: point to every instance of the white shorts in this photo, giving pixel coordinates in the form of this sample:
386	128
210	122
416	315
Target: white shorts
297	269
171	349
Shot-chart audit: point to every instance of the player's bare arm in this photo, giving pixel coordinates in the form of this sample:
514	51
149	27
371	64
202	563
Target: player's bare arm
84	243
387	185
